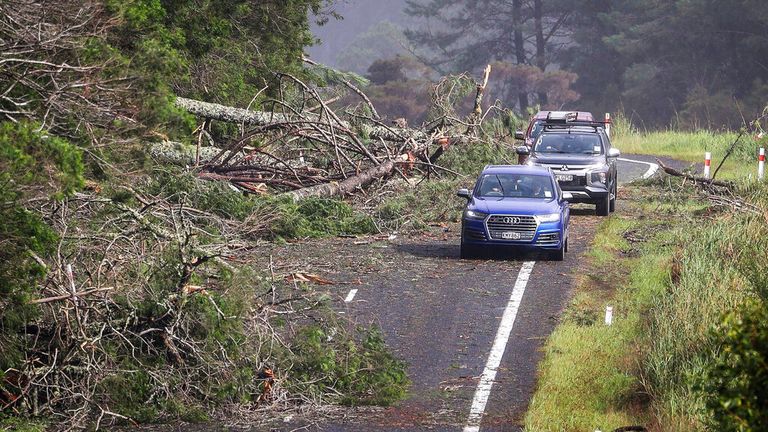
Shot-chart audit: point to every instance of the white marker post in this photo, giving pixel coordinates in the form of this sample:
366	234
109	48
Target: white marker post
608	315
608	124
761	164
707	163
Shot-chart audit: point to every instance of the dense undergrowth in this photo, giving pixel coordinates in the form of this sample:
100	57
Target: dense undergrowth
687	349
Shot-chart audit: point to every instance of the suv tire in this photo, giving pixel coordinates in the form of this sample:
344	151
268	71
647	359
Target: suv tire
603	207
612	205
468	252
559	254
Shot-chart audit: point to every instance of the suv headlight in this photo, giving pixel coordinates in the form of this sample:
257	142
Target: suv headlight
554	217
474	214
598	177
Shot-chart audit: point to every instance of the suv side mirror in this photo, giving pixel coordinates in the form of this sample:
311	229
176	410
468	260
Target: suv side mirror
519	135
464	193
614	153
523	150
567	196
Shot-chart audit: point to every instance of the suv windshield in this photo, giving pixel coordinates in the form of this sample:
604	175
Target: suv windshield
536	129
515	185
569	143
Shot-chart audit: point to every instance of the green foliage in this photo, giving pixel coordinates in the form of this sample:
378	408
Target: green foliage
435	201
32	165
215	197
735	379
130	393
224	51
311	217
363	371
318	217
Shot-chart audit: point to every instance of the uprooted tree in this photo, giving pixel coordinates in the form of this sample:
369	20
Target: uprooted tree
304	148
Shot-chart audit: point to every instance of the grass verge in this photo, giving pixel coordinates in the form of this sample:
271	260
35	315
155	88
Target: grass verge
675	270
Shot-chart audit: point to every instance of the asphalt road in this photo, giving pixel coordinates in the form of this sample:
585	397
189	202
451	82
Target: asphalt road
471	331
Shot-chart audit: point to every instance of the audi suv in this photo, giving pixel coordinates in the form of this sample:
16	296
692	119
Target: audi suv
515	207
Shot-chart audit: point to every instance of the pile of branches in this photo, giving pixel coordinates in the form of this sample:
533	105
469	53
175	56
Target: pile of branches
137	310
42	75
303	148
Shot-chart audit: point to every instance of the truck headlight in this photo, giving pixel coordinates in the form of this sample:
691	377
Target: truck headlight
474	214
554	217
598	177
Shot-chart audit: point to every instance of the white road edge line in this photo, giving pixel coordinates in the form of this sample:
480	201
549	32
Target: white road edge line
497	351
350	296
651	170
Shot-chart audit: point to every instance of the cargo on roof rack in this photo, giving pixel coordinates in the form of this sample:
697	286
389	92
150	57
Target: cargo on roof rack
565	123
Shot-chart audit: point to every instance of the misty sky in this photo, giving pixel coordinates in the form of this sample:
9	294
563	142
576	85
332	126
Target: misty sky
359	17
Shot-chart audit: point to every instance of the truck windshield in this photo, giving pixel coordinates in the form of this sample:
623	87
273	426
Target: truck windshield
515	186
569	143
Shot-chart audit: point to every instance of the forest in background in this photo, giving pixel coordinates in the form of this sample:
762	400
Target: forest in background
149	147
689	64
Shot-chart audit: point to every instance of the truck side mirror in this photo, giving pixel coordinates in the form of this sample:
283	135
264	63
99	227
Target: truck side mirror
523	150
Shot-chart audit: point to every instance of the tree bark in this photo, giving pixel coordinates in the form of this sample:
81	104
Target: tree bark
541	60
261	118
327	190
180	154
517	19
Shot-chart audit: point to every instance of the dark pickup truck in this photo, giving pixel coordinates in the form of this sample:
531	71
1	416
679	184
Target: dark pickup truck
582	159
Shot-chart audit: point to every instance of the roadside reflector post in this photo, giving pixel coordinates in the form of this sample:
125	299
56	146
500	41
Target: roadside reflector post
707	163
608	315
761	164
608	124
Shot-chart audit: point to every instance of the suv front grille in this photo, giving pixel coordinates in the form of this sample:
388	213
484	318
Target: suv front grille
511	227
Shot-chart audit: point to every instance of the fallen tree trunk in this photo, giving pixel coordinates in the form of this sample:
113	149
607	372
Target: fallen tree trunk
327	190
177	153
261	118
673	172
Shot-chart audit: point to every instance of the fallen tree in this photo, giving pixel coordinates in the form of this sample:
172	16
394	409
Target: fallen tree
313	152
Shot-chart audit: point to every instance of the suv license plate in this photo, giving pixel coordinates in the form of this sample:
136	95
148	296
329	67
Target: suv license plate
564	177
510	235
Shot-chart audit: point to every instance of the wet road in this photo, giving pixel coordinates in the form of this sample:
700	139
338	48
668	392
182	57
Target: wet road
471	331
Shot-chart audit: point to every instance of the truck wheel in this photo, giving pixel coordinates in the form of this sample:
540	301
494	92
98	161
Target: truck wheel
612	206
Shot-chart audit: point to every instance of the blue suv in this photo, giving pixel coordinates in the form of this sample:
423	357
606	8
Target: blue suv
515	206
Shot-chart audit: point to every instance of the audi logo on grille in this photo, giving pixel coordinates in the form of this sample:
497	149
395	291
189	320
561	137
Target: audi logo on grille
511	220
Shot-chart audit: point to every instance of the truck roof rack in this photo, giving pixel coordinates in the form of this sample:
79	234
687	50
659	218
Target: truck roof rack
566	125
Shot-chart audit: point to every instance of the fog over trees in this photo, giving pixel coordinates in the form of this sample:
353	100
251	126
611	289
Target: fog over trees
691	64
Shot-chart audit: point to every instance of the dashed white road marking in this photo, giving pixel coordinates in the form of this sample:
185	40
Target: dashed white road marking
497	351
652	167
350	296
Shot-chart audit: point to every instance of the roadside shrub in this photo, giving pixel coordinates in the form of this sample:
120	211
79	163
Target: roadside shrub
735	380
